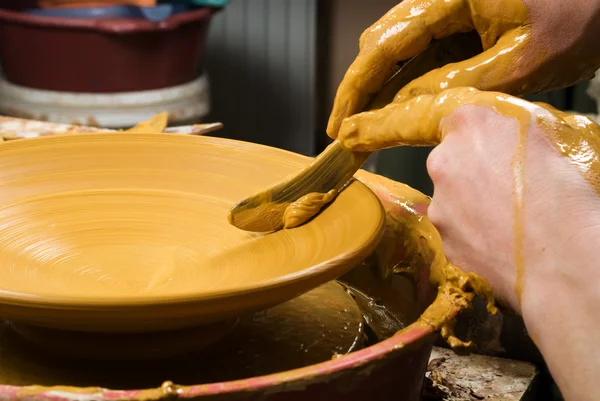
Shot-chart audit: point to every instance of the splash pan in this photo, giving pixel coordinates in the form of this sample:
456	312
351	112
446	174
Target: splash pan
116	232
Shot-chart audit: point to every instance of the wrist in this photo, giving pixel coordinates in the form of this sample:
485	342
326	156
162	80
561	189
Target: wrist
560	313
563	284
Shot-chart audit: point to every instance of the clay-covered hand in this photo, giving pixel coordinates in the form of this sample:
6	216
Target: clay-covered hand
529	46
411	251
494	151
516	200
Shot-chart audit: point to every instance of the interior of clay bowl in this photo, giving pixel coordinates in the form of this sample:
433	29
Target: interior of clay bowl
128	232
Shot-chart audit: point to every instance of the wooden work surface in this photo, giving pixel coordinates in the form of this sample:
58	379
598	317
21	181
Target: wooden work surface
451	377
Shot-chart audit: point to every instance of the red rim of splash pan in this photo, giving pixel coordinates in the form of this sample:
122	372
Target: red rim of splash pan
408	339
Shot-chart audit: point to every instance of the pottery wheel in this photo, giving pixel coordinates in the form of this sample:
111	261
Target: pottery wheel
306	330
122	232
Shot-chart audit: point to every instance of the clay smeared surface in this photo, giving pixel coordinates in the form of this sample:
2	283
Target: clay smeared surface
416	123
306	208
137	219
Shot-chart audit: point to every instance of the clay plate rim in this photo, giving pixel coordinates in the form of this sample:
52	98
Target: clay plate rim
77	303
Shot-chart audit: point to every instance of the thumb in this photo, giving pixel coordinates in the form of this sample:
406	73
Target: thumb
411	123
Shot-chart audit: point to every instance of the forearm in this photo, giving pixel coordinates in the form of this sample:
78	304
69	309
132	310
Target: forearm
567	338
561	314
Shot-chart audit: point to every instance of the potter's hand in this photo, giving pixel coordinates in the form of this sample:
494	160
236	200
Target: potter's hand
516	199
477	171
529	46
411	249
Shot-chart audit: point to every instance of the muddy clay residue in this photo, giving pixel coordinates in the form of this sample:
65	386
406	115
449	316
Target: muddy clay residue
157	124
577	138
421	129
416	123
305	208
517	58
422	247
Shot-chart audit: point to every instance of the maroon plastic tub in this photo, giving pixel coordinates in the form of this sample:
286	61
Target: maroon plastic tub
18	5
99	55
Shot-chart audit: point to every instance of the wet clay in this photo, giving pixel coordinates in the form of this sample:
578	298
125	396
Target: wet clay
421	253
518	57
264	211
416	248
156	124
305	208
138	221
333	168
577	138
416	123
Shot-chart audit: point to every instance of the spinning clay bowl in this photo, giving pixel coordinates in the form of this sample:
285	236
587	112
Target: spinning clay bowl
121	233
114	232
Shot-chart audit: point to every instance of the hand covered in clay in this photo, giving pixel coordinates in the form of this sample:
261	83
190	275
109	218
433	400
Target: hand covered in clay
529	46
410	251
516	200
